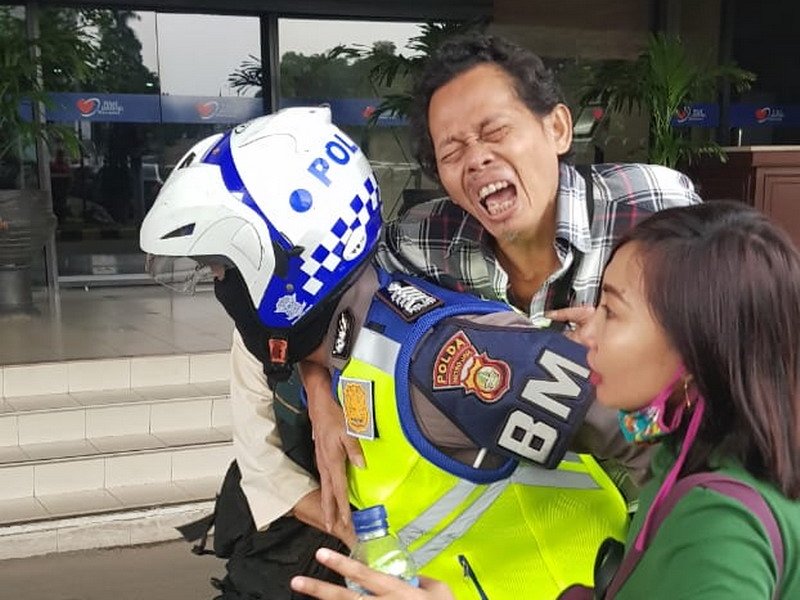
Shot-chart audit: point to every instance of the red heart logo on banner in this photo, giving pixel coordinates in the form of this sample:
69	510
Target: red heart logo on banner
206	110
762	114
87	106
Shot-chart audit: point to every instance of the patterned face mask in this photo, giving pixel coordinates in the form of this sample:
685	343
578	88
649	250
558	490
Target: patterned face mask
646	425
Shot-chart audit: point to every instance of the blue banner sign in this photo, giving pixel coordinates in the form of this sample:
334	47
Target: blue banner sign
697	115
760	115
152	108
88	106
205	109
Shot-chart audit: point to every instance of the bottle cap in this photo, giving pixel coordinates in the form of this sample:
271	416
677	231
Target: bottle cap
370	519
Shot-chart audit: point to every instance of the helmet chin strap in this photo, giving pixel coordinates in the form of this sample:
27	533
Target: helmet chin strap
277	349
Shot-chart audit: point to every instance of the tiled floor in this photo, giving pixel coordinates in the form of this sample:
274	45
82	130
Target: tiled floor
115	322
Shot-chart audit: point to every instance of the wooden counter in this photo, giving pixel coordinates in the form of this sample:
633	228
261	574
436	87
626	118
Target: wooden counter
766	177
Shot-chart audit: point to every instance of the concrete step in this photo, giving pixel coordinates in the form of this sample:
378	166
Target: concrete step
110	452
75	376
194	454
36	421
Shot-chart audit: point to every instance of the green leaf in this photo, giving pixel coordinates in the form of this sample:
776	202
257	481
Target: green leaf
661	80
31	68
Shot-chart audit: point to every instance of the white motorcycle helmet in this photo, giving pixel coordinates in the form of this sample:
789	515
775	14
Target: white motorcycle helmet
287	199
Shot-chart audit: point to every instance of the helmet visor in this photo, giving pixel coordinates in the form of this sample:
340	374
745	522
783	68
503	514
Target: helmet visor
182	274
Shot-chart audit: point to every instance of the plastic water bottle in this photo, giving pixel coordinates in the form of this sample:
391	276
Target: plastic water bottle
380	549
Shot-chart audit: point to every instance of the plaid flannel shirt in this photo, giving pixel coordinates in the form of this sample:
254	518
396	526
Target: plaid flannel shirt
439	241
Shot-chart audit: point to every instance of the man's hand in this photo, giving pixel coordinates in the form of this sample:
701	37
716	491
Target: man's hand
308	510
576	318
332	445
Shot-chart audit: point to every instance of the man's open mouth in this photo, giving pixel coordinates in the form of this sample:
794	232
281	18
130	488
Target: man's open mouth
497	197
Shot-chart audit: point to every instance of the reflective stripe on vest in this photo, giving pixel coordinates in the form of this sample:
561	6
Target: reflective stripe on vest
447	504
376	350
459	526
437	512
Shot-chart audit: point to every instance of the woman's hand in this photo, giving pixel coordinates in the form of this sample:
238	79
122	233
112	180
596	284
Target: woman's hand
332	446
380	585
576	318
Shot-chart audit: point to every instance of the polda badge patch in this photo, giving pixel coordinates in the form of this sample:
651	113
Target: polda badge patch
459	365
357	402
407	300
343	342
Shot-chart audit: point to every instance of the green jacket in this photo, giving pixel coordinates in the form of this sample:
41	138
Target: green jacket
711	547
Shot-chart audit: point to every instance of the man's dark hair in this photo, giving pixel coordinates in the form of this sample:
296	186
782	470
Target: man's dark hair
534	83
724	283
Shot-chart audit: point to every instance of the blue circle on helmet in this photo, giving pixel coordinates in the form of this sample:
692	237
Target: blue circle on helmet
301	200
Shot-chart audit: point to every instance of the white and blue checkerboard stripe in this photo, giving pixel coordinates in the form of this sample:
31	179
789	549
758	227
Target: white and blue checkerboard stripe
318	267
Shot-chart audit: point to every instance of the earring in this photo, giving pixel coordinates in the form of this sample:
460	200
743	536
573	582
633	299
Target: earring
686	398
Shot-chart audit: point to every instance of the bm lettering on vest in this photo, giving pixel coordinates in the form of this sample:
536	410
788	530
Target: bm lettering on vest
529	437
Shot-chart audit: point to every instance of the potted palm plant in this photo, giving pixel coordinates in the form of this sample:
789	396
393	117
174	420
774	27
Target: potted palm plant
26	216
662	81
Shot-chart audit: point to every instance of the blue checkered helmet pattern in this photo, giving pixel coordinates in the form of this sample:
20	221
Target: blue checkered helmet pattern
288	198
320	269
339	250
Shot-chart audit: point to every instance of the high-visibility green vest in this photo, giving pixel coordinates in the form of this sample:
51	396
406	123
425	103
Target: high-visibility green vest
528	536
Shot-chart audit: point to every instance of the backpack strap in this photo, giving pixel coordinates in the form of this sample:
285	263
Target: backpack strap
727	486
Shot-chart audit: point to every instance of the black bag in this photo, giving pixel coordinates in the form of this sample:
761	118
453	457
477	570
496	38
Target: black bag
260	563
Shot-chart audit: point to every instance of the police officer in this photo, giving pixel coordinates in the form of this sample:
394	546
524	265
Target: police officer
465	411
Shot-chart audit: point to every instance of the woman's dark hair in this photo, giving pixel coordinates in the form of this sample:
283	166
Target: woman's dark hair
534	83
724	283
